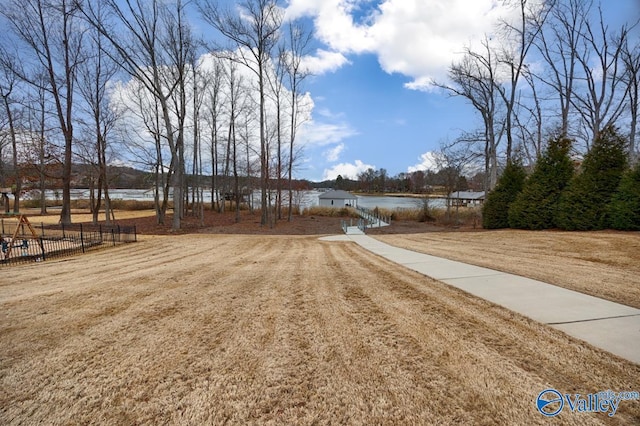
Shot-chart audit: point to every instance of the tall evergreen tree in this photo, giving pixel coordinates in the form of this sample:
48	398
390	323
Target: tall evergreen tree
536	205
496	207
583	205
624	209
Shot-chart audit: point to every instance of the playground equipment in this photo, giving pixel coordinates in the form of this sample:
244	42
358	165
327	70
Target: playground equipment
22	222
42	242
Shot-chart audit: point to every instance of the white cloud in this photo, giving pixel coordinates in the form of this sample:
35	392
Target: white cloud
324	61
417	38
333	154
428	161
328	114
298	8
424	83
434	160
346	170
334	23
321	134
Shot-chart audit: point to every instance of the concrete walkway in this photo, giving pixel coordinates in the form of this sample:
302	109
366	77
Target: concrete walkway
354	230
604	324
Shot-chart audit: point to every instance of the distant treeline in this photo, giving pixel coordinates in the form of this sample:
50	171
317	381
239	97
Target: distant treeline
418	182
370	181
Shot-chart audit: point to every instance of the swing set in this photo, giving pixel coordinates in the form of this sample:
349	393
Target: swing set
7	246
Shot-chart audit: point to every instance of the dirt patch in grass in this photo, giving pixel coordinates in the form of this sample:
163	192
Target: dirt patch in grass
212	329
604	264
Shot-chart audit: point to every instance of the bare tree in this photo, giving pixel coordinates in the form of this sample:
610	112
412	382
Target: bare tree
152	43
559	43
94	75
141	119
163	172
254	32
604	97
475	78
50	32
631	60
199	85
530	123
4	139
519	37
8	85
450	163
212	104
233	103
37	125
251	155
275	78
297	46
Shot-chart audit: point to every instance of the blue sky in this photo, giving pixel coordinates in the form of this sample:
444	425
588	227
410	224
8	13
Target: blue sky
373	60
372	107
383	124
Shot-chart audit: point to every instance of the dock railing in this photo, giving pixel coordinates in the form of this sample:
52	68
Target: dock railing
373	217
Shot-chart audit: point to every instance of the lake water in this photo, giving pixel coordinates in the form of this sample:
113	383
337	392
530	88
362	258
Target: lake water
305	198
397	202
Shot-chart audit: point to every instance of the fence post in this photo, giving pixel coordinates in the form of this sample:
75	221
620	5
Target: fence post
81	238
42	228
135	234
42	249
63	235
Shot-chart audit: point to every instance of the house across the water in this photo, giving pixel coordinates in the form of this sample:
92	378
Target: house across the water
338	198
467	198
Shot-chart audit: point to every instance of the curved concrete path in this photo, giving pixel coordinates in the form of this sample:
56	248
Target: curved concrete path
604	324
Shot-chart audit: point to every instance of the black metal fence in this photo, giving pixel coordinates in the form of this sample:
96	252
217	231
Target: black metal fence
54	241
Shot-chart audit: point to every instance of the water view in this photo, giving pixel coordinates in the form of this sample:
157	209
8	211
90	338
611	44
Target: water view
304	198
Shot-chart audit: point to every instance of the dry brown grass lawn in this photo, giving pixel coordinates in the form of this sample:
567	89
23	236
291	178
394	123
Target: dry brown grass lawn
212	329
603	264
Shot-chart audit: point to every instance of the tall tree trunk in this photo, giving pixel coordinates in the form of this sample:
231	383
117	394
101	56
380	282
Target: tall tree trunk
17	187
264	160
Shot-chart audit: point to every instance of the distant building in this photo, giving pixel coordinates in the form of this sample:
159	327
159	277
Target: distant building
467	198
338	198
